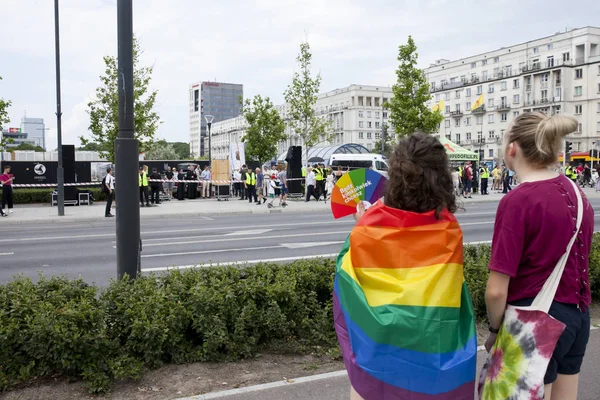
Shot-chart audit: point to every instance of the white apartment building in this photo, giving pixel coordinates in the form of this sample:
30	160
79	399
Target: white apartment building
356	114
233	130
555	74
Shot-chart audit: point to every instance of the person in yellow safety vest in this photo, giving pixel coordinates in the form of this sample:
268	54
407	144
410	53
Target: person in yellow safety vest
320	180
485	177
304	172
571	172
251	186
143	187
460	178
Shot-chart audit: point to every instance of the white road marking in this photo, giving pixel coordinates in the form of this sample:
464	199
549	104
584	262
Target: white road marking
477	223
468	214
303	245
239	262
208	218
249	233
219	228
187	253
234	263
170	241
7	254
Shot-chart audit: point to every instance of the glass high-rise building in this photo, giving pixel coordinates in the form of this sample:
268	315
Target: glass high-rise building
35	130
222	100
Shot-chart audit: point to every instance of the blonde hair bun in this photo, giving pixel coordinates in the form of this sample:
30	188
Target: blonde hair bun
540	136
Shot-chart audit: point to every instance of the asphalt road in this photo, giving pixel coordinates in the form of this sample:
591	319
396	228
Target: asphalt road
88	249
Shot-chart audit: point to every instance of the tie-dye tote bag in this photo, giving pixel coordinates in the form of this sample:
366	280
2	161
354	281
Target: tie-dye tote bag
517	364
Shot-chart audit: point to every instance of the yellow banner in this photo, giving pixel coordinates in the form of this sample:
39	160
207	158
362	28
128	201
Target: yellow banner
439	107
478	103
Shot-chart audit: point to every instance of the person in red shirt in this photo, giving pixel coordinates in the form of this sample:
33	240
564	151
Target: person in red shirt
531	233
6	180
468	180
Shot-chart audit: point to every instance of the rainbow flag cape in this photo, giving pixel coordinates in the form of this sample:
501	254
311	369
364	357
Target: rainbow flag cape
403	313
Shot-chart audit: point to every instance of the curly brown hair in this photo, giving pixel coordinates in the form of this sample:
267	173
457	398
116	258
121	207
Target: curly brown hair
420	180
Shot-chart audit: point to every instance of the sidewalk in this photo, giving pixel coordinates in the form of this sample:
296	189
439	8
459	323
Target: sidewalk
336	386
35	213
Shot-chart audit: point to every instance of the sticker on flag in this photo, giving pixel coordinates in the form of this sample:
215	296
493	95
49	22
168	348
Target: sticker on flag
354	187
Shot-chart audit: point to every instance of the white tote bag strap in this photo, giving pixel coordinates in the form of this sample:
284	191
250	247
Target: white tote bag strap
545	297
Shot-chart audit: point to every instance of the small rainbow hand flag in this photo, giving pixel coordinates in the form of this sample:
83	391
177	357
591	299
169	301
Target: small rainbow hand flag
403	313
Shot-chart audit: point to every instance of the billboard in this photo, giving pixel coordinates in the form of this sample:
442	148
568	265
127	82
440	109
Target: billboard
237	156
32	172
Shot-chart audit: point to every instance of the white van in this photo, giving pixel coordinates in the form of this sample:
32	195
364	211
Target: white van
355	161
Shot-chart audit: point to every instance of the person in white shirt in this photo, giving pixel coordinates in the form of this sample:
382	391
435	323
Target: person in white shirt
109	190
237	182
310	185
206	177
329	185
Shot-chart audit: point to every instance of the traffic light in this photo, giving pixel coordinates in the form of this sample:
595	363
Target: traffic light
568	147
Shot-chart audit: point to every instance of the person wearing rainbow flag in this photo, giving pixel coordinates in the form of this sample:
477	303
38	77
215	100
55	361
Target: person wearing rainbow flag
402	311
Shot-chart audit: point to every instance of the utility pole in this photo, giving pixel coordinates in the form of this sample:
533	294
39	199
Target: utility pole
60	173
382	129
127	152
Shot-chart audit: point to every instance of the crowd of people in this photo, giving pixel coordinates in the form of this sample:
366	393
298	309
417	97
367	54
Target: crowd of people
257	186
468	179
264	185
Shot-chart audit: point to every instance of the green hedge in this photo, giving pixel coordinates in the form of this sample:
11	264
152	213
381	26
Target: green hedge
69	328
30	196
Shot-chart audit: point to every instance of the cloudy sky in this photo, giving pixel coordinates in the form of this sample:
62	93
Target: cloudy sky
250	42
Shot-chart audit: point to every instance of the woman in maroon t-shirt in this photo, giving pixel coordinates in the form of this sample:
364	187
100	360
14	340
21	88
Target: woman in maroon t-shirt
534	225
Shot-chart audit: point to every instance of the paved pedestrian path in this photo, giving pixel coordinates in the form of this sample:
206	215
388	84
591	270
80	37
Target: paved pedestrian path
335	385
32	213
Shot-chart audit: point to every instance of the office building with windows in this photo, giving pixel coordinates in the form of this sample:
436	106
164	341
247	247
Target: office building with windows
221	100
356	114
15	137
35	130
554	74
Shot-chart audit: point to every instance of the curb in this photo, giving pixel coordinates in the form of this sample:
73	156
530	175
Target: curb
70	219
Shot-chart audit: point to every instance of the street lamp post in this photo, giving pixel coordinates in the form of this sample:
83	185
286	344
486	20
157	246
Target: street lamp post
60	176
209	120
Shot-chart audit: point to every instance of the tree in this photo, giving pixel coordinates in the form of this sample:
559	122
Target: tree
27	147
4	141
91	146
265	129
301	97
104	111
390	141
182	149
162	150
408	110
4	104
